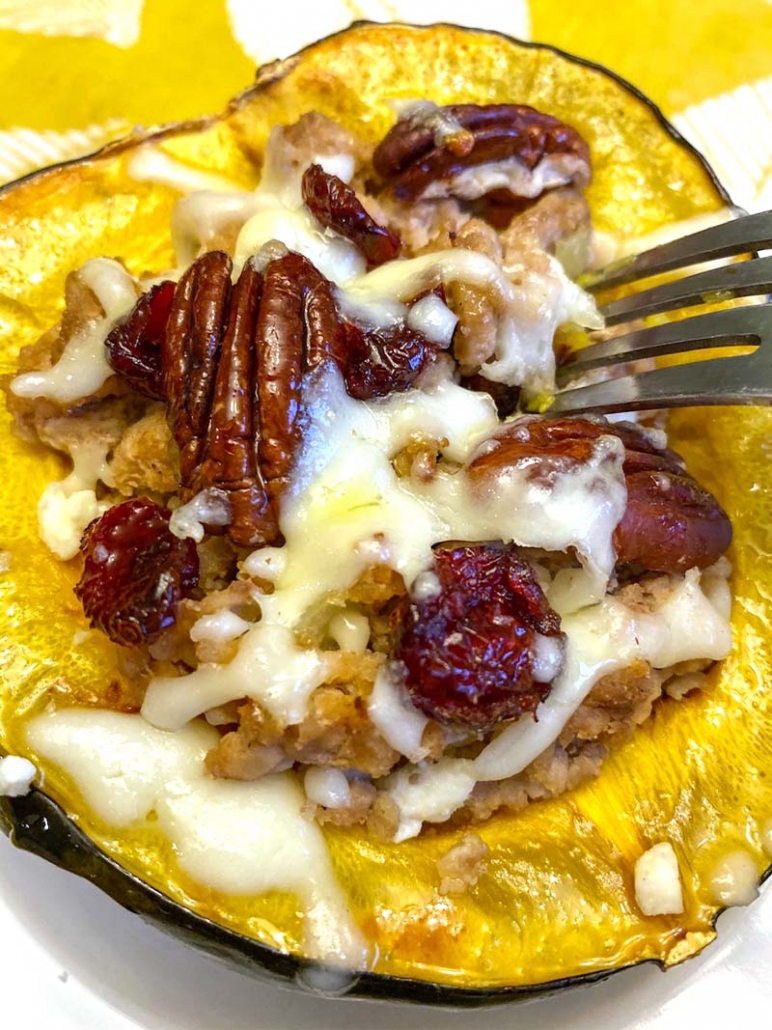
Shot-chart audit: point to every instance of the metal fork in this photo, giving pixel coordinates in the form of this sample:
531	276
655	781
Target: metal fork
740	379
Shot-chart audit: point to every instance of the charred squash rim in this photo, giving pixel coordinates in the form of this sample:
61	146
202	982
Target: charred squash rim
38	824
272	72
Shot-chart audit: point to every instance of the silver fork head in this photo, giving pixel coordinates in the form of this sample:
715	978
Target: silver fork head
740	379
744	235
736	379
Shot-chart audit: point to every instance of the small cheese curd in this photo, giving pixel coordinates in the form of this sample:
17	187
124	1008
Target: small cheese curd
16	776
63	516
735	879
658	881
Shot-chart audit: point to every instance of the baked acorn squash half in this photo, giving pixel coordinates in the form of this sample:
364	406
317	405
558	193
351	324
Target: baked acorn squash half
556	904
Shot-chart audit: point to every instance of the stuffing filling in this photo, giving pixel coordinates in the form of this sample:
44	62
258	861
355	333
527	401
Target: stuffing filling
311	511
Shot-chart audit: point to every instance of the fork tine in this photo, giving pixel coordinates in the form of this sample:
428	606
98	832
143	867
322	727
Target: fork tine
739	236
743	279
717	381
725	328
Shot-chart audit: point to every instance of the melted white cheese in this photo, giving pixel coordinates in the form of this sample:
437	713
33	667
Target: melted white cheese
150	164
351	631
423	113
82	368
509	174
267	563
429	793
219	627
658	881
734	879
327	787
231	836
63	515
198	220
395	717
337	258
65	508
547	656
269	667
209	507
434	319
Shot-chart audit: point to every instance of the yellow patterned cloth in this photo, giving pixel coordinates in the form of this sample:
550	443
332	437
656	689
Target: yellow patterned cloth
77	73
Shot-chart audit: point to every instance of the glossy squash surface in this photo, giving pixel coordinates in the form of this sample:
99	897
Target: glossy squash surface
557	900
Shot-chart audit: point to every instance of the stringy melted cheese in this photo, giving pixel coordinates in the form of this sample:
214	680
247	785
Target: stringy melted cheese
82	368
234	837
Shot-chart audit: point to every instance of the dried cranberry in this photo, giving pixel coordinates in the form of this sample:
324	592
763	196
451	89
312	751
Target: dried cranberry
383	361
467	649
134	344
336	206
135	572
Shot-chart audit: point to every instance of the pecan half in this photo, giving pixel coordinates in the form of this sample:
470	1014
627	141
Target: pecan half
670	523
228	456
417	160
190	353
336	206
297	329
209	372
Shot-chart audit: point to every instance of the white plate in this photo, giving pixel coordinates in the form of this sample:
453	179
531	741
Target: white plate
72	959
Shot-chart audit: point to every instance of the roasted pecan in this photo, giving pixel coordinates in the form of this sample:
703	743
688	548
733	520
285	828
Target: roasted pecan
297	329
209	375
336	206
191	349
670	523
228	457
420	157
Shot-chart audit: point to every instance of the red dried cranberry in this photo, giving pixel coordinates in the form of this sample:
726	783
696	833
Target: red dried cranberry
468	649
383	361
134	345
135	572
336	206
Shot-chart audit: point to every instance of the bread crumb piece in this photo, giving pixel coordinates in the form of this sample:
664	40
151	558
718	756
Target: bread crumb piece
463	865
